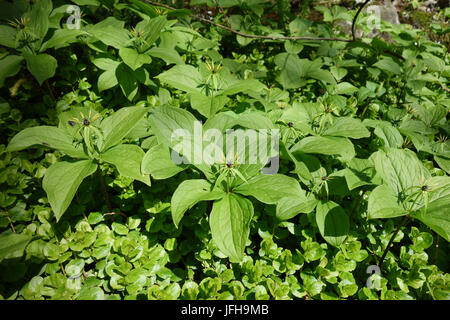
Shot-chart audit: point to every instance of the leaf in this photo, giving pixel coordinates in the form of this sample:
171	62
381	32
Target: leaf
9	66
51	137
444	163
325	145
153	29
107	80
289	207
118	125
111	32
13	245
294	70
158	163
400	169
134	59
128	80
188	194
333	222
62	38
387	64
388	133
348	127
270	189
230	225
42	66
345	88
127	158
7	36
183	77
62	180
436	214
242	86
166	120
207	105
168	55
384	203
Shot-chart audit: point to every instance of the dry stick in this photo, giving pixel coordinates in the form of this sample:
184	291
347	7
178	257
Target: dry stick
356	17
405	219
246	35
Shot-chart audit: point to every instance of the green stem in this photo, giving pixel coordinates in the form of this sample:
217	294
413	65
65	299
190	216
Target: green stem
103	187
405	219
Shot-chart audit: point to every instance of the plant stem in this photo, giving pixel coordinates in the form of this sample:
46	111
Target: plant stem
405	219
103	187
50	90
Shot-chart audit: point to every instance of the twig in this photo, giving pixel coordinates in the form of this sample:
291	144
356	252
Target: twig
356	17
405	219
246	35
114	213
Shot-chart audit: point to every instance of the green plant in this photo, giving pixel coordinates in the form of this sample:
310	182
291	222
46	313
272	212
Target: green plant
89	140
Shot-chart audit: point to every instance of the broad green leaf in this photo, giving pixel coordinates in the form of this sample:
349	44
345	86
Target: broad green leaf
289	207
51	137
62	180
444	163
325	145
107	80
338	73
153	29
387	64
345	88
111	32
333	222
183	77
348	127
118	125
134	59
243	86
230	225
166	120
106	63
207	105
435	212
188	194
294	70
62	38
400	169
359	172
127	158
42	66
13	245
9	66
38	20
158	163
386	132
270	189
128	80
8	36
168	55
384	203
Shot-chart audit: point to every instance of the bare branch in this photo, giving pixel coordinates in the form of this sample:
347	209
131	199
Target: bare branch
254	36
